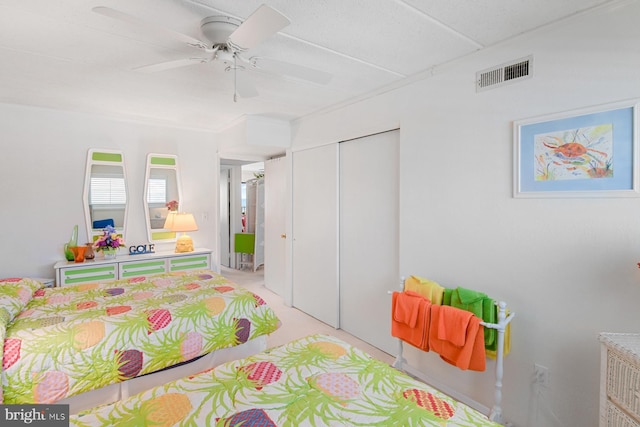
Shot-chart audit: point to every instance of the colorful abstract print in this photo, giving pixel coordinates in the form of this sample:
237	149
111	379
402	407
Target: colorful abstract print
70	340
314	381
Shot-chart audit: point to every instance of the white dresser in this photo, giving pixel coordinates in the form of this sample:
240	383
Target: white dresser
125	266
620	380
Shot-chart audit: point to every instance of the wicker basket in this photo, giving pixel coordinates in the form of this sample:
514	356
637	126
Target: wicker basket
623	379
617	418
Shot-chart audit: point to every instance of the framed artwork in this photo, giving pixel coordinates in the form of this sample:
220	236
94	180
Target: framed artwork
584	153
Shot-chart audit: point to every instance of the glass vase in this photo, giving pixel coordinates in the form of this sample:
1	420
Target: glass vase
78	253
73	241
109	253
89	253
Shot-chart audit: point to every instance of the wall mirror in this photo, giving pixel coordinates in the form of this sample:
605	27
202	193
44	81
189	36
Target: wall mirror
161	188
105	192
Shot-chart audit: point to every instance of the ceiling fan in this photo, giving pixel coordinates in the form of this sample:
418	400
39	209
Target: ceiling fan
226	39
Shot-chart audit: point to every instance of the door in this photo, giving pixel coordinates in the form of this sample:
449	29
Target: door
275	226
369	187
315	232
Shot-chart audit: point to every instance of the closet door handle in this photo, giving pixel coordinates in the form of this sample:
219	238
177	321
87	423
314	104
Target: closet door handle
284	236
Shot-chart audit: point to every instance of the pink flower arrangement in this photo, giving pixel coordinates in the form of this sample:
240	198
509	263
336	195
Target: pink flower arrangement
109	240
172	205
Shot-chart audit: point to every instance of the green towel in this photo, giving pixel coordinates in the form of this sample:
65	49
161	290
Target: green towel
489	316
446	297
468	300
469	297
479	304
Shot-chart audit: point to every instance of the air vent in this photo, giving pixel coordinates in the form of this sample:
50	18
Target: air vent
503	74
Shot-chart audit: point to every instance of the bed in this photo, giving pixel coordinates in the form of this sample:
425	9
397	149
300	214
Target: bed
91	344
318	380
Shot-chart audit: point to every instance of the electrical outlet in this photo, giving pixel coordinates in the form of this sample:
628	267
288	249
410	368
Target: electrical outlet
541	375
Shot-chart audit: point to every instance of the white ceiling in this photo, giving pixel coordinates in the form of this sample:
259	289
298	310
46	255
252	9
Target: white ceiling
60	54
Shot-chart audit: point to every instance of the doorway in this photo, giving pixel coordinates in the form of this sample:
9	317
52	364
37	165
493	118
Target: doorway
237	210
253	200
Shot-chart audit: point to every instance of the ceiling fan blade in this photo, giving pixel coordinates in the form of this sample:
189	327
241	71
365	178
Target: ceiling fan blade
163	66
262	24
292	70
244	86
137	22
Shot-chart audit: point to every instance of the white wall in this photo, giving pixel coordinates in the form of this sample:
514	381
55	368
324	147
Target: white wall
566	266
42	166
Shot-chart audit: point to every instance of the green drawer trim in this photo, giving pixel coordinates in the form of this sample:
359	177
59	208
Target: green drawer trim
188	259
90	270
202	264
143	272
142	264
69	281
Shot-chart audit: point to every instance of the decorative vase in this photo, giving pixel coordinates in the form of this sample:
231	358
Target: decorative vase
89	253
78	253
109	253
68	253
73	241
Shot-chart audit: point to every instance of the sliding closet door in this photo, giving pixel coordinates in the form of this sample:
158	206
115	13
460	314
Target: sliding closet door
315	232
369	236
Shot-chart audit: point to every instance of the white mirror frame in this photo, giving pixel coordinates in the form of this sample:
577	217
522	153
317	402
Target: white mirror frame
107	158
160	161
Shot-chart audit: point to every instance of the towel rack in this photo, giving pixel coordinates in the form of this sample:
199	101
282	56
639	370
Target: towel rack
495	413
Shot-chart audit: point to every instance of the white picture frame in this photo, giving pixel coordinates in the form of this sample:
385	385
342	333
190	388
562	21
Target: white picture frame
591	152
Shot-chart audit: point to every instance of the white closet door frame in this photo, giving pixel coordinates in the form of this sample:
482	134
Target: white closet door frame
315	224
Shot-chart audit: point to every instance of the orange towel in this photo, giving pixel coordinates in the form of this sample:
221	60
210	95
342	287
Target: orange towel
407	309
471	355
452	326
410	318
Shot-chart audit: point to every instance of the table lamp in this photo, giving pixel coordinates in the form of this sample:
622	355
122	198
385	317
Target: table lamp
181	222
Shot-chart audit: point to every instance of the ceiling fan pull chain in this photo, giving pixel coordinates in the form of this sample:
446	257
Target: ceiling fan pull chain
235	85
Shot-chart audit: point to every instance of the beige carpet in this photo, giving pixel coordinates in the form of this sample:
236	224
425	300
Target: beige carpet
295	323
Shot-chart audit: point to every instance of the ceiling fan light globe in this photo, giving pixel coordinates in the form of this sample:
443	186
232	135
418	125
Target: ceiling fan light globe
217	29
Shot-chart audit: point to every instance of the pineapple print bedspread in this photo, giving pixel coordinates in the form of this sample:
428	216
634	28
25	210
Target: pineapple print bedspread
314	381
65	341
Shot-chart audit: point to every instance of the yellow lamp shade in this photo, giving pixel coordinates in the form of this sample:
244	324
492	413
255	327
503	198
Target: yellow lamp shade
181	222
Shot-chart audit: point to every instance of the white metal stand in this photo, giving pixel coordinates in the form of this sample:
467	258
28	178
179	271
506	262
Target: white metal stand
503	320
